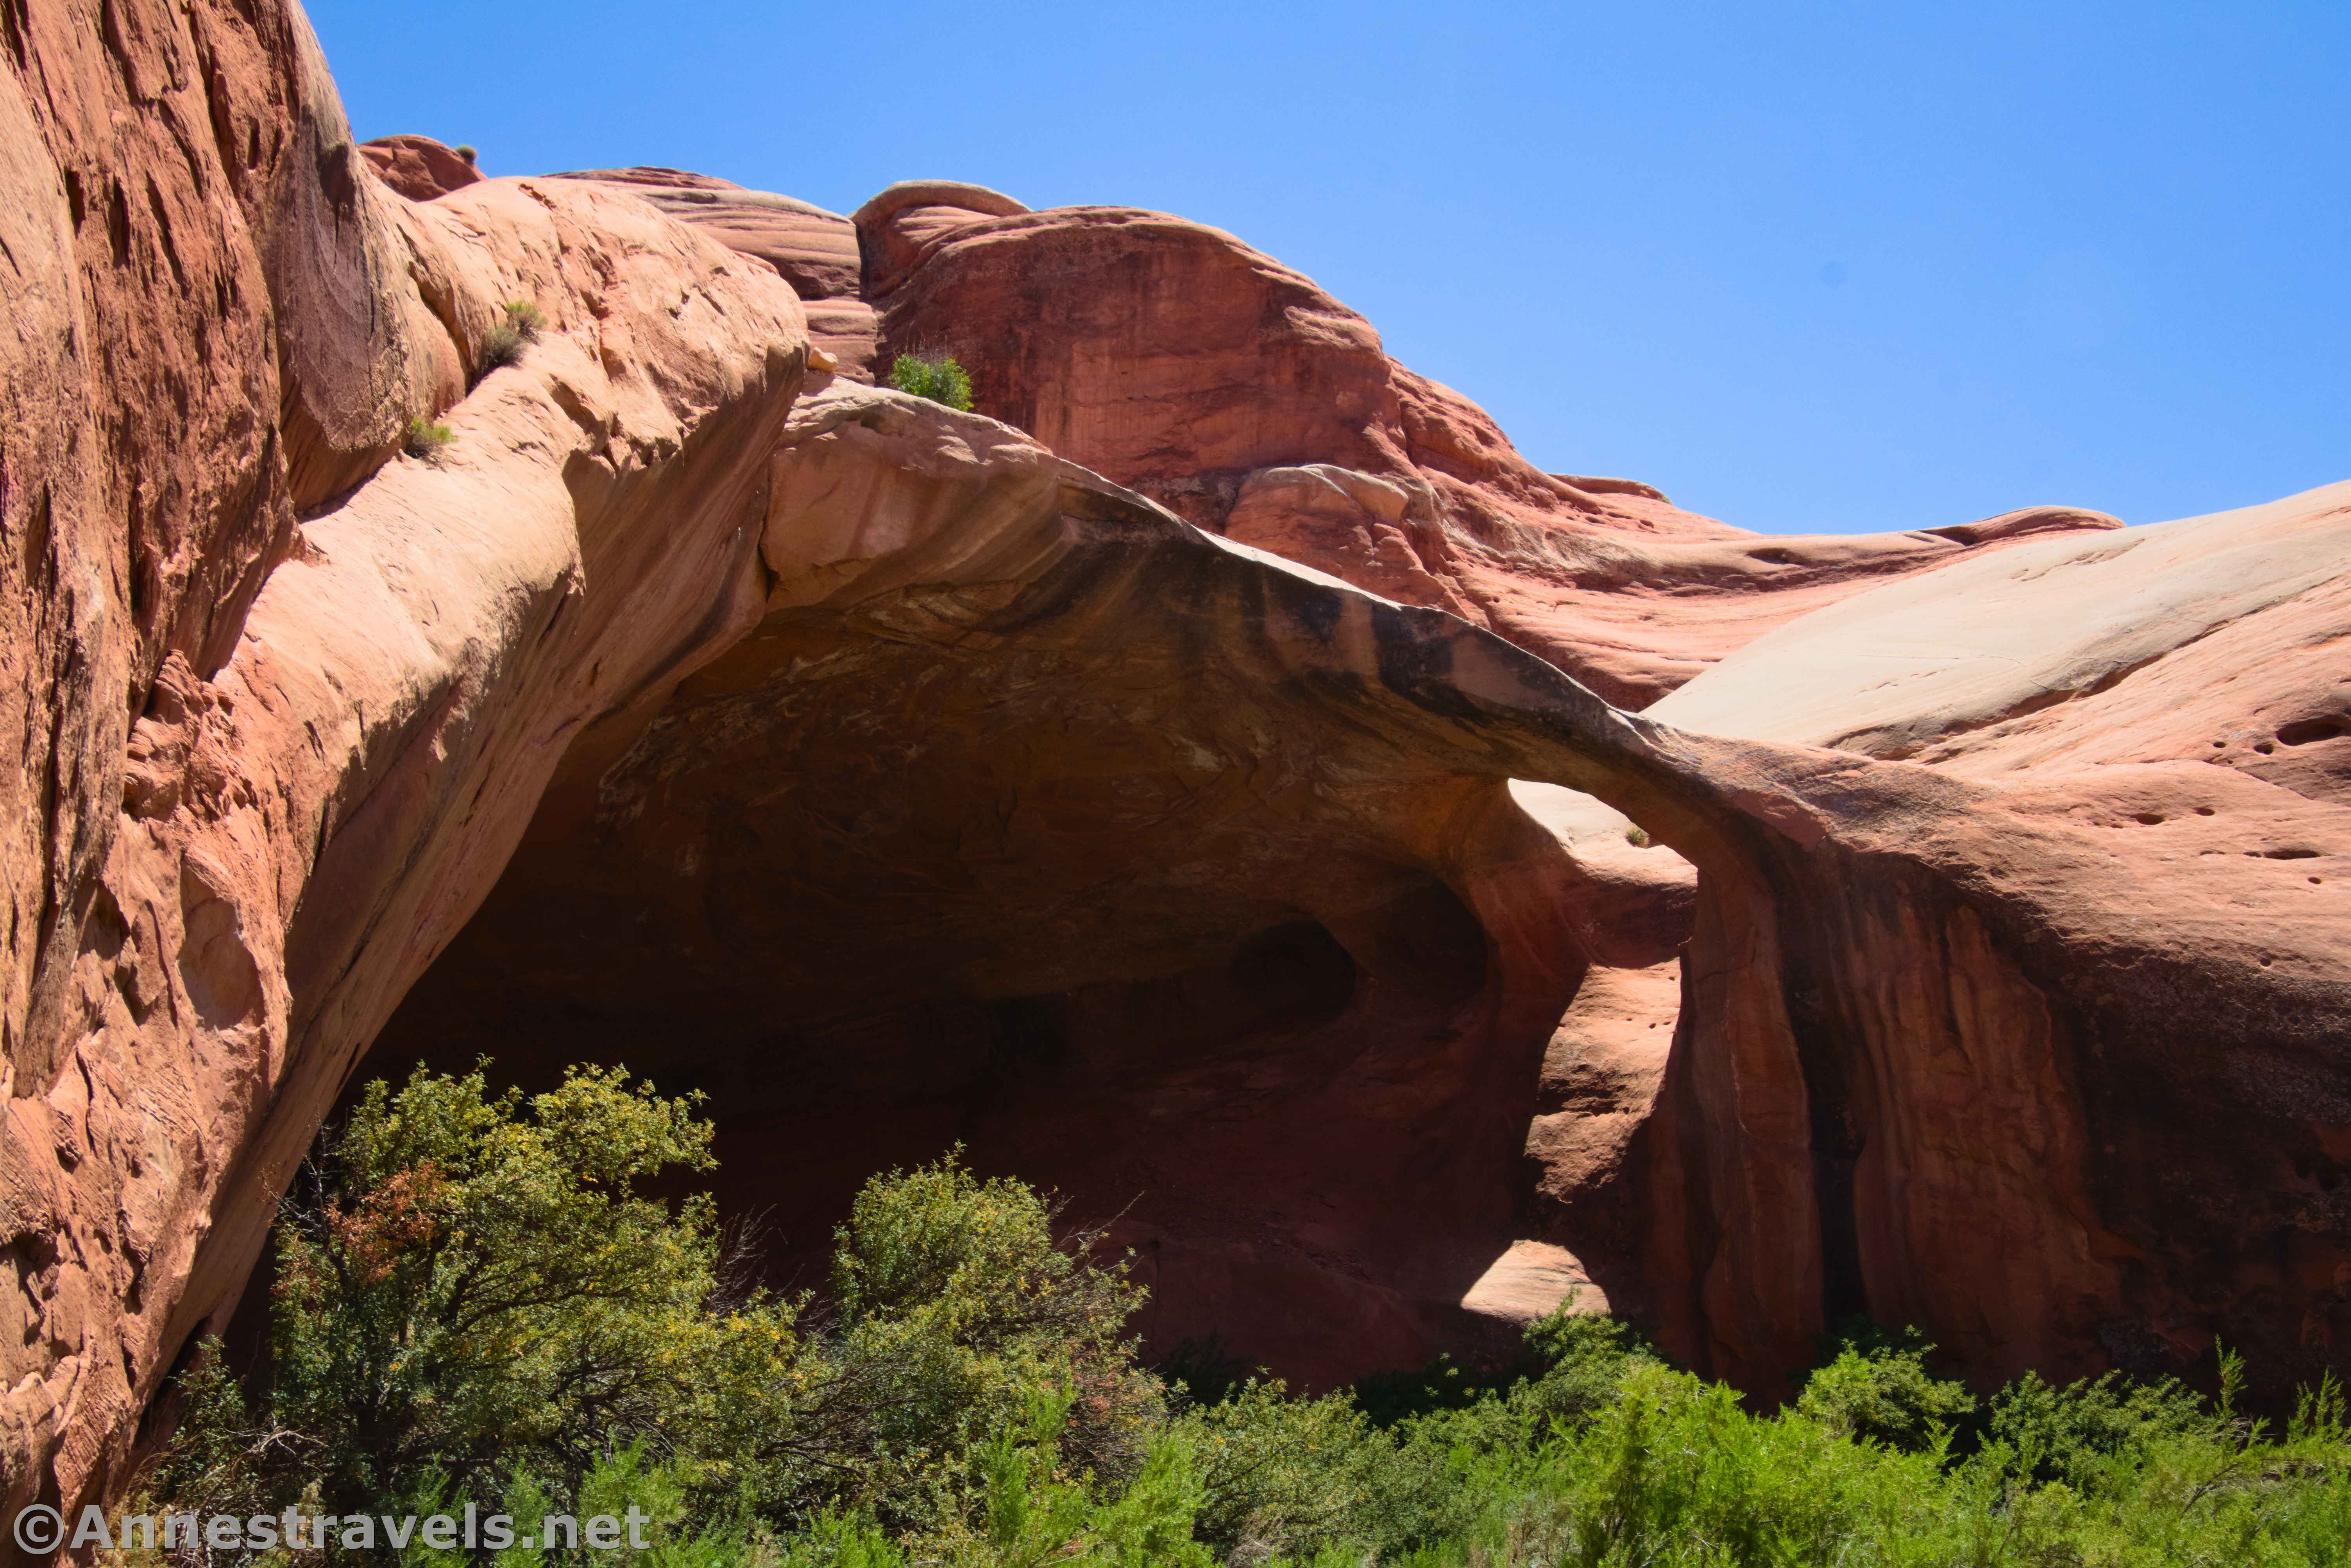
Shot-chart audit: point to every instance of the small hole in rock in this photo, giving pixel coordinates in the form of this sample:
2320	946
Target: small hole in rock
2203	810
2149	818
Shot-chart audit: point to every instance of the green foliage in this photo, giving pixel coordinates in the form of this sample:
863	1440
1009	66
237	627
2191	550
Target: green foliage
464	149
477	1286
955	1306
2078	1434
1281	1475
426	438
1584	1358
478	1293
939	379
481	1300
1879	1390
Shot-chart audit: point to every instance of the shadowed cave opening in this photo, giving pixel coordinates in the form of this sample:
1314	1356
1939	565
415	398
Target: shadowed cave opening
1207	971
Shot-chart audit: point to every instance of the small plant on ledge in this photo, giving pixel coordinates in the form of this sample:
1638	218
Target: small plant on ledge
426	438
503	344
941	380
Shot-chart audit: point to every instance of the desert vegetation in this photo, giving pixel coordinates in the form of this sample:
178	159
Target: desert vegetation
484	1298
426	438
934	376
503	344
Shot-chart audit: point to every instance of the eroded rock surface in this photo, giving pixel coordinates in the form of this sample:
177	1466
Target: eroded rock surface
2156	728
277	738
418	167
813	250
1170	357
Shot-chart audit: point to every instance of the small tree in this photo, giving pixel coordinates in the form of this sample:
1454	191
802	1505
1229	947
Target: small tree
477	1299
475	1286
939	379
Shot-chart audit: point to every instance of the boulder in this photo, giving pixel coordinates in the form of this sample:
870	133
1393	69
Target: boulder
418	167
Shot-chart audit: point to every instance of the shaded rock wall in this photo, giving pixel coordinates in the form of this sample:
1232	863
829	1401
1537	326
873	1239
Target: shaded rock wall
997	828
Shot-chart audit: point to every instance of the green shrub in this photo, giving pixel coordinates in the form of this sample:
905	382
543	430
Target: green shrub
476	1293
476	1286
1880	1390
1279	1475
480	1300
2078	1433
1583	1359
956	1304
426	438
939	379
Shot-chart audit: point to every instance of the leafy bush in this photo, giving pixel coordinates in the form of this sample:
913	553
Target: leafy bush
426	438
939	379
2078	1433
475	1294
1880	1390
473	1288
481	1301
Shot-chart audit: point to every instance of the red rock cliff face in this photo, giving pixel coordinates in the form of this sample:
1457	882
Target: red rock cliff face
1171	357
284	698
904	775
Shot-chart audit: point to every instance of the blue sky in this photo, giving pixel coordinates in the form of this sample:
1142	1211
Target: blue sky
1806	267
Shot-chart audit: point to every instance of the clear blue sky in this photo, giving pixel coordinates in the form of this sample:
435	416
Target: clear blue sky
1833	267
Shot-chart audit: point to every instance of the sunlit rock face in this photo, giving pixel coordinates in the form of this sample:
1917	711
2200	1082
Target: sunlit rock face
1189	780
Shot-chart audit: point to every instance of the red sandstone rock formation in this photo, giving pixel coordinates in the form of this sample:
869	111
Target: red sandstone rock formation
1170	357
265	766
900	778
2102	1113
419	167
815	251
